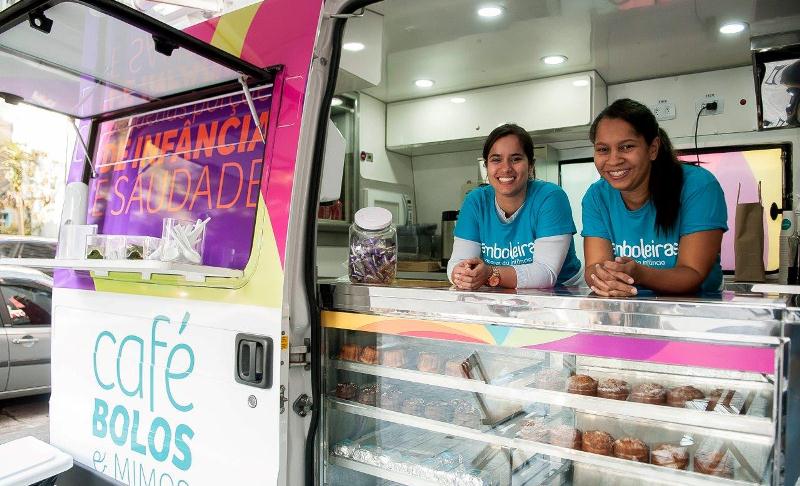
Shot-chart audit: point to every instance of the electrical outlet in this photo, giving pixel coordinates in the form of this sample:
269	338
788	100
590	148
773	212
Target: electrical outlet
664	110
709	97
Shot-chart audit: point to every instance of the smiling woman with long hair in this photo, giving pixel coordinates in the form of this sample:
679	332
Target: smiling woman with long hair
517	231
650	221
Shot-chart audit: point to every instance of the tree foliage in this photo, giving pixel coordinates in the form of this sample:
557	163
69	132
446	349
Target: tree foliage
27	187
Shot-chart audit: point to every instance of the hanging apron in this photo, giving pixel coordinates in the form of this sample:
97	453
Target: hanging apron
748	242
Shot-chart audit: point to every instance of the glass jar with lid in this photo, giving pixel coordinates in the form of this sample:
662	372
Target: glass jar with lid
373	247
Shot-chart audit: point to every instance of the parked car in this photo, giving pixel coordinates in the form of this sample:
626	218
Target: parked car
12	246
24	331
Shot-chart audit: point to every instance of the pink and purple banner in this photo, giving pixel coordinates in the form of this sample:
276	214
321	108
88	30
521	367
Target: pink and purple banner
190	162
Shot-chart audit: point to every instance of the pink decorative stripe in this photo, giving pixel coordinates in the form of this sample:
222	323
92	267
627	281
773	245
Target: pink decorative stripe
705	355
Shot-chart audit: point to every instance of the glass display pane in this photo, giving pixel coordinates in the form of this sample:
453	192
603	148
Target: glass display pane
90	63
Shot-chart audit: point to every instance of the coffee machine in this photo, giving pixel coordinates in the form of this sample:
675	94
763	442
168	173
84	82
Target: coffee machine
448	227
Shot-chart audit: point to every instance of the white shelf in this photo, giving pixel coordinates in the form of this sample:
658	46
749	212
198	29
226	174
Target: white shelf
146	268
506	438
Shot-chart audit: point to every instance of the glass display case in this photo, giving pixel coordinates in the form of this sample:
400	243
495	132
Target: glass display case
496	388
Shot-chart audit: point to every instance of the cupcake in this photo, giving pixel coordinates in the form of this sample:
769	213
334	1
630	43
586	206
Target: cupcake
598	442
550	379
429	362
534	429
438	410
678	396
367	394
349	352
368	355
413	406
466	414
582	385
457	367
631	449
649	393
565	436
613	389
395	358
346	391
713	462
391	398
670	455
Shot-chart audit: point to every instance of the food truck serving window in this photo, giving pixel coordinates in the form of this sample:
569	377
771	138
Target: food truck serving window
91	59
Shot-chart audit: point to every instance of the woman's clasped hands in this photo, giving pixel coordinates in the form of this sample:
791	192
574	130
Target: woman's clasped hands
471	274
615	278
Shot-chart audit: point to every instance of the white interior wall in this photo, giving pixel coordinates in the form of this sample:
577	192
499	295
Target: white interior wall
439	181
387	167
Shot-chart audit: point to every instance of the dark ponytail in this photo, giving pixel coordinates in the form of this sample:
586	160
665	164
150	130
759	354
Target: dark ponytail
666	175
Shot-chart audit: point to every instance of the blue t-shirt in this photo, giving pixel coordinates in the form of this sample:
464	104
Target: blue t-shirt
633	233
545	212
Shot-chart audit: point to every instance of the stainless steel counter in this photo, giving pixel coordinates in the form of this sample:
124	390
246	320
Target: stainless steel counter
729	316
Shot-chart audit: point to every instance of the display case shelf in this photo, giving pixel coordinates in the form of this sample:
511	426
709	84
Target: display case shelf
759	429
145	268
504	437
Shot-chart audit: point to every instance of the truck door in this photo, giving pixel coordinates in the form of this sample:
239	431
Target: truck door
27	334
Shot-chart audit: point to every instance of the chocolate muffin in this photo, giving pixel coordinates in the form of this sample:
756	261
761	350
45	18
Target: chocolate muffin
565	436
413	406
466	414
598	442
395	358
368	355
551	379
368	394
582	385
631	449
429	362
534	429
613	389
652	393
457	367
713	462
346	391
438	410
670	455
349	352
678	396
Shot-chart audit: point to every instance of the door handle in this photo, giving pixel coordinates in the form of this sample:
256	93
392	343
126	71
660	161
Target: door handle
25	340
253	360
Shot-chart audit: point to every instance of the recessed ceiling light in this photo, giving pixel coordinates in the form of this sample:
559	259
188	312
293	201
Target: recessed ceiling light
733	27
490	11
580	82
424	83
558	59
336	102
353	46
458	100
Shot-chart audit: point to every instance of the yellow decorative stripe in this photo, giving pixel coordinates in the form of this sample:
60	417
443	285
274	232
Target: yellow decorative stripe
232	29
443	330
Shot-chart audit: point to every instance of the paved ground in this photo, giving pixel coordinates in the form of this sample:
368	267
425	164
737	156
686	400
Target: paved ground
24	416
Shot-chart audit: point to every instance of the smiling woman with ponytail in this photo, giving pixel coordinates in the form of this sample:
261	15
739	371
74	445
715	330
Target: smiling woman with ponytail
650	221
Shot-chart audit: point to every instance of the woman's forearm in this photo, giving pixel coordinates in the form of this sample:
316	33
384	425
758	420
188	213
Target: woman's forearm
675	280
462	250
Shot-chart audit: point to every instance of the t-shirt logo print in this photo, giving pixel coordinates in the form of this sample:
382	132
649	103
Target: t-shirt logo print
651	254
511	254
